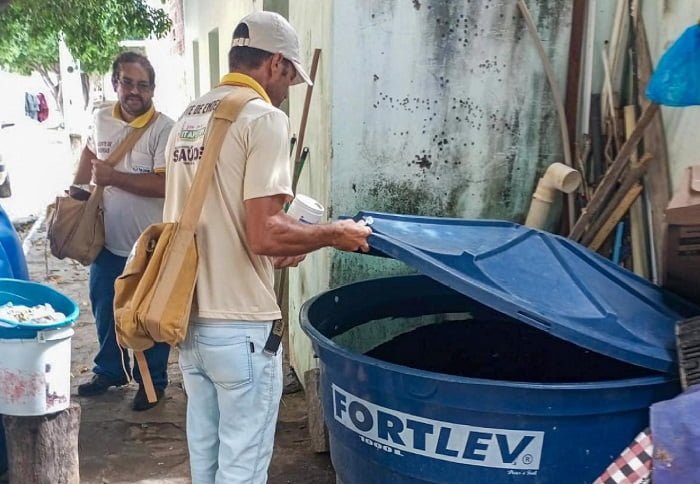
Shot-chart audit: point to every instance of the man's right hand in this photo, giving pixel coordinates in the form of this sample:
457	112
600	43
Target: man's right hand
351	236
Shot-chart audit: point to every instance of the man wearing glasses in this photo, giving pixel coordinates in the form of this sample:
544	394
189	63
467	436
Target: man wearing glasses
133	199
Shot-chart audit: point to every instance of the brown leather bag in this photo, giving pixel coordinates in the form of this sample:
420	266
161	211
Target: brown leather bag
153	295
76	228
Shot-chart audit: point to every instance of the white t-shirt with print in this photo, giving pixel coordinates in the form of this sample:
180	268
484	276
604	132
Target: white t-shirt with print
233	283
126	214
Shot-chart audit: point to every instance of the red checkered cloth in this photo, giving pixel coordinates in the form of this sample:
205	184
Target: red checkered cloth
634	464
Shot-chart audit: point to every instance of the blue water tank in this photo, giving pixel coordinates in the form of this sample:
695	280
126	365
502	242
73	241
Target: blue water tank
519	357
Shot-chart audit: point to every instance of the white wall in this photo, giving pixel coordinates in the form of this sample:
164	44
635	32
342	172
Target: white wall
431	107
313	19
201	17
442	109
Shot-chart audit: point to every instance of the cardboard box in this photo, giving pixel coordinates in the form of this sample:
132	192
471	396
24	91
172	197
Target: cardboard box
682	244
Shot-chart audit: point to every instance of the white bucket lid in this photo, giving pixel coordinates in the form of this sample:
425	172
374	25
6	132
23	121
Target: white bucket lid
310	205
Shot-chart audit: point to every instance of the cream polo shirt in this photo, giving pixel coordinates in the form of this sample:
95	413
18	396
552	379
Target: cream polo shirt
126	214
233	283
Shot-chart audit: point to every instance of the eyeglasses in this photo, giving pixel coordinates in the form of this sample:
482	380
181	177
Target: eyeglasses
129	85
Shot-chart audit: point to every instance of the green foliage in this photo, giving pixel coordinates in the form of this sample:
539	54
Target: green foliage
23	49
92	30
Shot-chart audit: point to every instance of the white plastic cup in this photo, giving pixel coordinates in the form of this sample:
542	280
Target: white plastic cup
305	209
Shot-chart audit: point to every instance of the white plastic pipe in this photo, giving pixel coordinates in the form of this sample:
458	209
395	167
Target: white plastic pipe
557	178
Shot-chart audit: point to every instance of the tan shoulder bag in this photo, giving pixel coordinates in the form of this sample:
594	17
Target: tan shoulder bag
76	228
153	296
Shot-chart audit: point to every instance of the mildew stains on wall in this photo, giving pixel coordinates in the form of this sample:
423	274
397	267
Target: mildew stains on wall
442	107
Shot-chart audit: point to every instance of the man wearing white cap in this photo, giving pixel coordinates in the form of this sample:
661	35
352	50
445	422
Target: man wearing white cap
232	367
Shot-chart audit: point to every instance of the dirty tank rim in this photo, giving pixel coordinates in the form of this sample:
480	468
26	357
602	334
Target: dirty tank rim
328	344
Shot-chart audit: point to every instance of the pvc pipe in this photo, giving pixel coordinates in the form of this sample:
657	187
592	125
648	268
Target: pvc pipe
558	103
557	178
588	68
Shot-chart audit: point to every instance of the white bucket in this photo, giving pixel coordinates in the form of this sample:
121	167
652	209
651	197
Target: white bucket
35	373
305	209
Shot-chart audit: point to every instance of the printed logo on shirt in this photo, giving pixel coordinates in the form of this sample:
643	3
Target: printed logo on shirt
190	138
187	155
104	147
192	133
204	108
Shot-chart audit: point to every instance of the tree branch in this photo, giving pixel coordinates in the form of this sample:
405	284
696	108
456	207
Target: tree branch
54	87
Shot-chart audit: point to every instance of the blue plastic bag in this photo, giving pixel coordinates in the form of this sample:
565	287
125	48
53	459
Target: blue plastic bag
676	80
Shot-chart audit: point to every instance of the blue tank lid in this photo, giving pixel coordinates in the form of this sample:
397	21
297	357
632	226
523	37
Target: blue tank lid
542	279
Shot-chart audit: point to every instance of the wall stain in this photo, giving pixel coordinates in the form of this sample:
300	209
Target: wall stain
410	198
349	267
468	126
423	161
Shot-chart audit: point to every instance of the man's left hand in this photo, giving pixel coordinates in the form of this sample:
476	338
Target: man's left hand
102	173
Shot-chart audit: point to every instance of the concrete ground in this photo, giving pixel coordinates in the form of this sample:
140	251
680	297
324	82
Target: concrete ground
118	445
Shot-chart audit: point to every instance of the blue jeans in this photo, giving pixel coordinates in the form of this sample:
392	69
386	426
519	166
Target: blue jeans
108	362
233	395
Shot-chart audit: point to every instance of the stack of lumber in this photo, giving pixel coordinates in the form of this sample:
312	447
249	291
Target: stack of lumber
622	155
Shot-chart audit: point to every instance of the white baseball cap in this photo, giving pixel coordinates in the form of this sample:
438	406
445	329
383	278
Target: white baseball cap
269	31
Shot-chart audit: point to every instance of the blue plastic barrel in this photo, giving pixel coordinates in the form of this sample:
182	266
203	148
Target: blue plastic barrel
12	261
30	294
13	265
389	422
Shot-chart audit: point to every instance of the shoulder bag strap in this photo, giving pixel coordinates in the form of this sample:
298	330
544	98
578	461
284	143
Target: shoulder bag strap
121	150
225	114
129	142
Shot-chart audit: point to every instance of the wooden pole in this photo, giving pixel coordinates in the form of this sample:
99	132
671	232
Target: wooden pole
317	425
609	182
615	216
44	449
573	73
632	177
657	187
307	104
638	222
281	285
